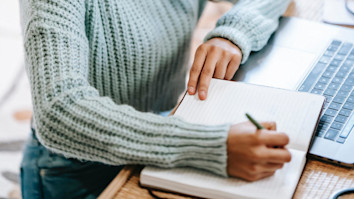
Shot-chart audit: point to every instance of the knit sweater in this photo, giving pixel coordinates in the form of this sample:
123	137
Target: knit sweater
99	68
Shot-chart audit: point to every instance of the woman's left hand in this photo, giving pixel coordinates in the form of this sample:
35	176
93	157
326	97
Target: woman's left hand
218	58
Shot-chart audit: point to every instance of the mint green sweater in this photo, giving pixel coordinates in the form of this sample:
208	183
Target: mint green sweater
98	67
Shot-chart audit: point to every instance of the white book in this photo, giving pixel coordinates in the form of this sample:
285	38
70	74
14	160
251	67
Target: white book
295	113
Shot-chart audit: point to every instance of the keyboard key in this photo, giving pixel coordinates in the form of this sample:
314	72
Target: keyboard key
352	53
325	59
324	80
341	74
348	45
304	87
341	119
326	104
316	91
323	125
346	87
332	48
333	86
326	118
320	132
337	80
335	63
328	98
331	134
320	86
350	57
336	43
328	74
336	125
350	99
311	78
342	93
338	99
347	65
330	92
348	106
334	106
332	69
339	57
349	82
345	133
343	69
331	112
345	112
340	140
329	53
345	49
351	75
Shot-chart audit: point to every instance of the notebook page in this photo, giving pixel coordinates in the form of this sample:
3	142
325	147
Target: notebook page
205	184
295	113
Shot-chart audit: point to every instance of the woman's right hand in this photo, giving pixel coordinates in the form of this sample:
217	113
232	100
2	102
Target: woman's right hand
255	154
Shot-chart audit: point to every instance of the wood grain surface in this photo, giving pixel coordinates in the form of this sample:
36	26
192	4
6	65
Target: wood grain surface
319	179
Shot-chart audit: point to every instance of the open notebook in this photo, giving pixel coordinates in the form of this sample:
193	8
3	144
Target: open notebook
295	114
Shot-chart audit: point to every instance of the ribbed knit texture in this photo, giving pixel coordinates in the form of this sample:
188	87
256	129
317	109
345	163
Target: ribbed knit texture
97	67
250	23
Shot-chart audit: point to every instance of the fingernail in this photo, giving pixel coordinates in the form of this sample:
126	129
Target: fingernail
191	90
202	94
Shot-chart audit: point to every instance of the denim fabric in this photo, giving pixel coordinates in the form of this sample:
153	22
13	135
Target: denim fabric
45	174
48	175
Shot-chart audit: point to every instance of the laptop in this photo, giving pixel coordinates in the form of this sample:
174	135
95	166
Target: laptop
318	58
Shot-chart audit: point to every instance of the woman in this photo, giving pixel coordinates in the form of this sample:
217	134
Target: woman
97	68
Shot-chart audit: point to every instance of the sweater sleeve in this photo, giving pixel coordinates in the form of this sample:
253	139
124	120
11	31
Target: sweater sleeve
250	23
71	117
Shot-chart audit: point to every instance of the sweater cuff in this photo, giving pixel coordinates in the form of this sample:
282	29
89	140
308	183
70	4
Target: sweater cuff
234	35
209	152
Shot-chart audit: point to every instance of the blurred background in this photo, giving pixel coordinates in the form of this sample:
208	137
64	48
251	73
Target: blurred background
15	97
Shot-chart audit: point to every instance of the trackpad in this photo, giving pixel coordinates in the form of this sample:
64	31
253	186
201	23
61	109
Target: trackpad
276	66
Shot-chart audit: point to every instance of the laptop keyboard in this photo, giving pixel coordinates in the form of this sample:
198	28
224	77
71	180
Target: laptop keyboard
333	77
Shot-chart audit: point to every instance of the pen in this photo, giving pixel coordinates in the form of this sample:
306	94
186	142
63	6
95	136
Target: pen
259	126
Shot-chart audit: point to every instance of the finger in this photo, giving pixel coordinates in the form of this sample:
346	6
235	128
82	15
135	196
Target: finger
196	69
271	167
221	67
273	138
257	175
279	155
207	74
270	125
232	67
265	175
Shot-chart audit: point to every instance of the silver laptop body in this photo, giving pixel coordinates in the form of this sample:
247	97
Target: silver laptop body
289	57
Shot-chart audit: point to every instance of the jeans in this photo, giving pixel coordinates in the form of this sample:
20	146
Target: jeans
45	174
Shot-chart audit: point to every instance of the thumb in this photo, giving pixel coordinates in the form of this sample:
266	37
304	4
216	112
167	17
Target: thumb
270	125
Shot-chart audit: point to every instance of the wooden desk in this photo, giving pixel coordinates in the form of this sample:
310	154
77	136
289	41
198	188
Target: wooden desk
319	180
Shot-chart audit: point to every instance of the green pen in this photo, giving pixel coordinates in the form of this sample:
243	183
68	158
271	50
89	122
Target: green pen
258	125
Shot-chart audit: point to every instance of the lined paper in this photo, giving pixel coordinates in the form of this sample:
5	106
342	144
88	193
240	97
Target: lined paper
295	113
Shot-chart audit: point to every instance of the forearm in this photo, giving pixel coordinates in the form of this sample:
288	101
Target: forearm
73	119
250	23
